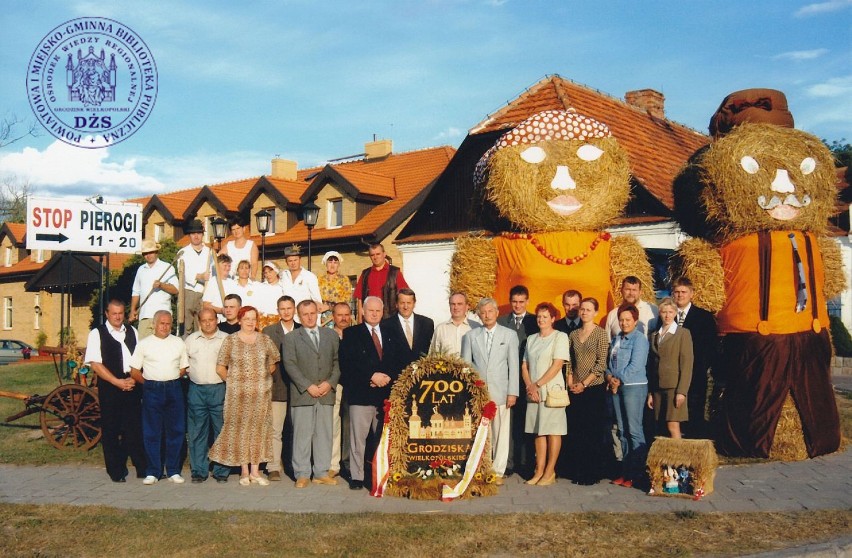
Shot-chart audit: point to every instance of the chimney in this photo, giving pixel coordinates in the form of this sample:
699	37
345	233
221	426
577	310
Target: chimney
284	169
378	149
649	100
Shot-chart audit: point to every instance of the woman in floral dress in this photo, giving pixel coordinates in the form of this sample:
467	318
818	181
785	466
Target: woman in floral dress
246	362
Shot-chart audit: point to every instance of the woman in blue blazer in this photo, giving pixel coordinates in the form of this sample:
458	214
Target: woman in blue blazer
628	388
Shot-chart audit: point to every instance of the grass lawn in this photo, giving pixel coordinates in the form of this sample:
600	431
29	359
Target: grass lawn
99	531
21	442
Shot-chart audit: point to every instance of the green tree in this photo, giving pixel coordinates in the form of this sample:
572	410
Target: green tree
13	199
14	192
841	150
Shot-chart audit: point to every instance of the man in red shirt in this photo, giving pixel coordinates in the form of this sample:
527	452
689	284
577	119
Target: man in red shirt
381	279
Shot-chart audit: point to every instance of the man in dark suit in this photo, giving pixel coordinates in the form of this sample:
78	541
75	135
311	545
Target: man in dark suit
571	304
286	324
311	362
368	369
521	454
705	342
411	332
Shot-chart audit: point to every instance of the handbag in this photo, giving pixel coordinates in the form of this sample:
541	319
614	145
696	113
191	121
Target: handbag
557	397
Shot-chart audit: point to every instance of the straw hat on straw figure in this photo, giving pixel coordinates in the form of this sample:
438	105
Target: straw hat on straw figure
757	201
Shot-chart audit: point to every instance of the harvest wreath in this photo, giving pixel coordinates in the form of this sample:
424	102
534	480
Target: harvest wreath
450	457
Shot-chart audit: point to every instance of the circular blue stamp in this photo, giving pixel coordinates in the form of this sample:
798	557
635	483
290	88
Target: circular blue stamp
92	82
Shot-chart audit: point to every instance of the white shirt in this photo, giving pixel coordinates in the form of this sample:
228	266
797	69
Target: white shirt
447	337
195	263
306	286
203	353
684	311
270	295
260	295
238	254
159	299
211	291
410	321
378	331
670	330
648	315
93	345
160	360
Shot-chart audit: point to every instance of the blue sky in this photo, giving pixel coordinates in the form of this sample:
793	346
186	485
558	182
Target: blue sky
312	81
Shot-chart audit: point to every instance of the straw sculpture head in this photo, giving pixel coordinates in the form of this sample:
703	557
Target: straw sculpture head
763	177
556	171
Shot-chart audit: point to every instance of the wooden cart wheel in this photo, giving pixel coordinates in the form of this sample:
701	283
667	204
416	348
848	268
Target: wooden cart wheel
70	417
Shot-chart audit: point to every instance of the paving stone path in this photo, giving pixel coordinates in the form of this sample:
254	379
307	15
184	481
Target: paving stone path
822	483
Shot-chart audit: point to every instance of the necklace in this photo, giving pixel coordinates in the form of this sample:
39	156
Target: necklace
603	236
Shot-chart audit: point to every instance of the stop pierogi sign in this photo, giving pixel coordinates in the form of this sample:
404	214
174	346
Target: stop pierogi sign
83	226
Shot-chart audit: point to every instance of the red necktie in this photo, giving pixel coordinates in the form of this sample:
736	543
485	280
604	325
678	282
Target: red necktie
376	342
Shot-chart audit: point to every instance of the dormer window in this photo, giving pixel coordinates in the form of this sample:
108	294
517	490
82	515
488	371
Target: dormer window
335	213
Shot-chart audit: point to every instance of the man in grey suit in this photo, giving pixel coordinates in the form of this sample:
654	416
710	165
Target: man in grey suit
311	362
493	351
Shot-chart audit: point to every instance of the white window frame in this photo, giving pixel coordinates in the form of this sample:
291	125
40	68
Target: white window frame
39	255
208	229
7	312
8	257
330	213
159	231
37	311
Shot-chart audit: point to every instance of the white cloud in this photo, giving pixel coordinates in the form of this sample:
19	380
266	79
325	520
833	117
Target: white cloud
450	133
833	87
63	170
801	54
822	7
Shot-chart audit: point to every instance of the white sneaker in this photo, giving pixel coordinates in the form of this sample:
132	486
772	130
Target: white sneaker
177	479
150	479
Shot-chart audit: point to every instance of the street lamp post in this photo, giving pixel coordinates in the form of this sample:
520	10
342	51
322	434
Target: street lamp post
219	228
262	220
310	213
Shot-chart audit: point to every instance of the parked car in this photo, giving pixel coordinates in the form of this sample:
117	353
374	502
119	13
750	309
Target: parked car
12	350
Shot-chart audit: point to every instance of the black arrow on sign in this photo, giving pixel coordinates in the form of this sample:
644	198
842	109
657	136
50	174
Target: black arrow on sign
52	237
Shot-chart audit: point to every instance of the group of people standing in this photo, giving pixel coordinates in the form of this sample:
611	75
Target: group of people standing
244	379
643	373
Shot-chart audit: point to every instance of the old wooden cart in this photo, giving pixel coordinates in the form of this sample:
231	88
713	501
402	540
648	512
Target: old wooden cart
70	414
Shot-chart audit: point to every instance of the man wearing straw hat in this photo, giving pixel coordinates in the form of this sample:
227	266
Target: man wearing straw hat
197	261
153	287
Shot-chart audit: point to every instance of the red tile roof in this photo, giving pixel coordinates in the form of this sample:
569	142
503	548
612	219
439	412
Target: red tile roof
657	148
28	265
16	231
404	176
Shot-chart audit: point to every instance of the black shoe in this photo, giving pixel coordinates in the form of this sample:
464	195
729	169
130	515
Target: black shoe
121	479
508	473
356	485
218	479
198	479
